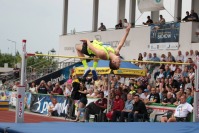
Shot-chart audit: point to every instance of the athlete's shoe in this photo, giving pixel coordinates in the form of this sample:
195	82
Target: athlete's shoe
94	75
86	72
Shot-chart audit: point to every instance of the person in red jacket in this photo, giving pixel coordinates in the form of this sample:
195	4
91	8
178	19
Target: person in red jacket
118	106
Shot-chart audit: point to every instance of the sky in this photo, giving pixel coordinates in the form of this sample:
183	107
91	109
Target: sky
40	21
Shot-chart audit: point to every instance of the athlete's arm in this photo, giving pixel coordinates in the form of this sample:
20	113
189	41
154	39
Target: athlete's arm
120	45
99	53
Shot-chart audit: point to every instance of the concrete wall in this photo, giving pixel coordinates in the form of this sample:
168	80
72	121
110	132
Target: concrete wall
137	42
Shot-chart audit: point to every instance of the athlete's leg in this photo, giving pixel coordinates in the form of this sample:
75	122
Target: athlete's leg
95	63
84	62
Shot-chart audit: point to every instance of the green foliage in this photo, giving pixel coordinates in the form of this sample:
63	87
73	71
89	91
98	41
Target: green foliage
7	58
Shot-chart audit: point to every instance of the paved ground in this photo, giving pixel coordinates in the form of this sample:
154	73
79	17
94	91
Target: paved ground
9	116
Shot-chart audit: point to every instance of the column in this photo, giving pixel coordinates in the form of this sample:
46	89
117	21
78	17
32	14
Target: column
194	6
155	16
65	17
178	10
121	10
132	12
95	15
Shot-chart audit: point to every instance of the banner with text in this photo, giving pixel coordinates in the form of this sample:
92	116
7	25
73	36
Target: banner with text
165	37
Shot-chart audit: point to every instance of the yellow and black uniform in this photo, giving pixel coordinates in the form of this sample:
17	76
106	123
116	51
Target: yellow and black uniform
98	45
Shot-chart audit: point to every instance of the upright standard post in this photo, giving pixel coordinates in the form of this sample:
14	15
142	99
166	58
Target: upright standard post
109	90
196	94
19	116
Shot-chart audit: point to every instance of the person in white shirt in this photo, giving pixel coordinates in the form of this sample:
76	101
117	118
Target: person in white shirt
125	24
181	111
53	108
179	57
145	58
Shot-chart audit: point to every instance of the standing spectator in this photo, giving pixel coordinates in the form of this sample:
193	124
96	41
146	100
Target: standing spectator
50	85
125	25
102	27
42	87
32	88
186	18
193	16
83	100
149	21
57	90
119	25
180	57
139	109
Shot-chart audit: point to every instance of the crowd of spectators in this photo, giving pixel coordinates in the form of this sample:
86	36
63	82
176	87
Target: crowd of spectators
164	84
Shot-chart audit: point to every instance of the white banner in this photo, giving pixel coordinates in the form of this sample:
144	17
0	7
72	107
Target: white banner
150	5
164	46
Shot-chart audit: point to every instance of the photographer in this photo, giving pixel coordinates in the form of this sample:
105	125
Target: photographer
42	88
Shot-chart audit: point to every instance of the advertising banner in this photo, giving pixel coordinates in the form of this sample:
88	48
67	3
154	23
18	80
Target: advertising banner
150	5
59	76
165	33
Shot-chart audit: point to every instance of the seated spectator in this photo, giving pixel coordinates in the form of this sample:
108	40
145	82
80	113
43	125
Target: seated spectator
125	23
57	90
185	72
161	21
16	84
42	87
189	96
191	74
118	106
153	97
178	95
119	25
170	57
186	18
68	90
53	109
168	99
163	57
145	95
179	57
177	74
127	108
139	109
32	88
193	16
3	97
102	27
149	21
188	84
181	111
95	107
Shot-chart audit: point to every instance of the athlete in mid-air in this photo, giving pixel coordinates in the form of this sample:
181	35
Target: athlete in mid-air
96	49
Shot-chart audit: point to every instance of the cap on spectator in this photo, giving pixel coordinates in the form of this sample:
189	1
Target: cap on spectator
132	92
146	90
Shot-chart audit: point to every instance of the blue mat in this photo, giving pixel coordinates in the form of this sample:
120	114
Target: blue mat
64	127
